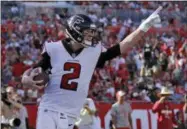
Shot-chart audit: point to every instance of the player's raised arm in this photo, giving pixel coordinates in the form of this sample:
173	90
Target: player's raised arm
133	38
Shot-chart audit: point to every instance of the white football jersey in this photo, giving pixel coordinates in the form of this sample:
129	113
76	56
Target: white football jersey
70	78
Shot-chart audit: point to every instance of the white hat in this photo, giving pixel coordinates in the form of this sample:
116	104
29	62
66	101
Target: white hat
166	91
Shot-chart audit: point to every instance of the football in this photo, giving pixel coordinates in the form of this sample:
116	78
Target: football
42	76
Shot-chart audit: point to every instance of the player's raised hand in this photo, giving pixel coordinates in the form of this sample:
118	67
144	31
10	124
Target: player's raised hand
153	19
27	78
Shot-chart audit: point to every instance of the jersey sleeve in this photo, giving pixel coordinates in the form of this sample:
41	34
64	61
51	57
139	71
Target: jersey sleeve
108	55
45	62
44	48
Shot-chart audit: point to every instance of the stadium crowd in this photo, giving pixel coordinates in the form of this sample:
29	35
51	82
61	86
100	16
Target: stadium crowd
22	39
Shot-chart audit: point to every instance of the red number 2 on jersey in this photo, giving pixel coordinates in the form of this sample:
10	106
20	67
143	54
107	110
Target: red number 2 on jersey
69	76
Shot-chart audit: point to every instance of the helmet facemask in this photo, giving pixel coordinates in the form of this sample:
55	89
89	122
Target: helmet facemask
88	37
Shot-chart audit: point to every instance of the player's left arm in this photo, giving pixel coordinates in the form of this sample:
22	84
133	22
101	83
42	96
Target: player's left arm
135	36
130	40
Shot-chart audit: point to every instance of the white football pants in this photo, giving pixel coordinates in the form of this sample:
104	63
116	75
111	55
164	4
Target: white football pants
48	119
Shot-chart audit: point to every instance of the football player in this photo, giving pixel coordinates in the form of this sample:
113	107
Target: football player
72	62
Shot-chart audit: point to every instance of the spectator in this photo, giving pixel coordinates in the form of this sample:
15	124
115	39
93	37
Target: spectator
155	94
8	106
121	112
144	96
123	72
166	117
18	68
93	16
110	90
22	112
87	114
179	120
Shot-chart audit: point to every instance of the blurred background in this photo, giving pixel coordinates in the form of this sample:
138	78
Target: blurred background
141	73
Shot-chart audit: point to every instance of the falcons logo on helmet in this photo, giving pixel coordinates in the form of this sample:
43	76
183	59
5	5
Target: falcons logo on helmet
74	22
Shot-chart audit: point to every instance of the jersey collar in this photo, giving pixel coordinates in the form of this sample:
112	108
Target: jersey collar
69	49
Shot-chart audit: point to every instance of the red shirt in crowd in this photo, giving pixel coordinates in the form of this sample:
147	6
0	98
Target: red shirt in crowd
166	118
3	29
123	73
10	26
18	69
12	83
34	28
